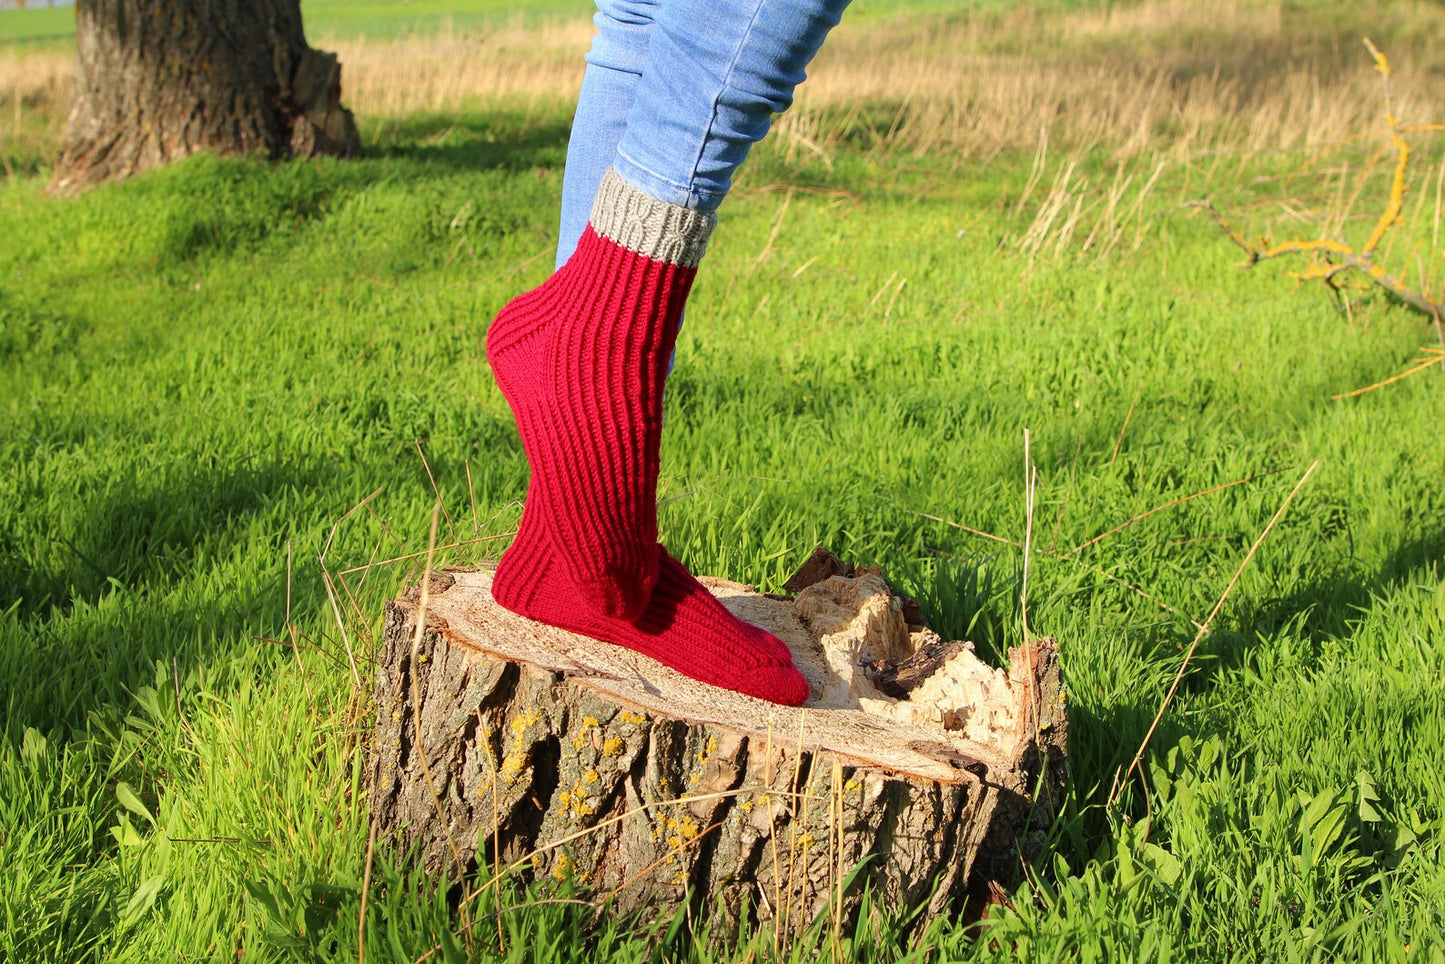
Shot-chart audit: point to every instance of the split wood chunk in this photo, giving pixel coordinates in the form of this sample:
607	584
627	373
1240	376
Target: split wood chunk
499	738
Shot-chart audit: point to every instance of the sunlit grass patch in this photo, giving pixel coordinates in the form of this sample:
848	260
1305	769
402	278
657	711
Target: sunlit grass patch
206	374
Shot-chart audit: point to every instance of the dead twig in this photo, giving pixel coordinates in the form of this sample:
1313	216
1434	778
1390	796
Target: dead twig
972	531
418	735
1168	505
1338	255
1057	557
1118	442
432	479
365	894
1342	258
1031	483
1430	357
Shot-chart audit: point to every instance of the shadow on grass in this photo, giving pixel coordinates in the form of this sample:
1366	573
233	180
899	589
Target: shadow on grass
1328	605
475	141
160	570
1104	735
150	535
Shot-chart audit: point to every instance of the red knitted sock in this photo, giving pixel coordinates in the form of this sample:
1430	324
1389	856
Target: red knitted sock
582	361
683	626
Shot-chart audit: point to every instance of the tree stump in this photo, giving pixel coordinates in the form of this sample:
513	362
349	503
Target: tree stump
159	80
914	766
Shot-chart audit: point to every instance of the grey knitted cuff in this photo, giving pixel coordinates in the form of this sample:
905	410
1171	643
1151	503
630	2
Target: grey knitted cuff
650	227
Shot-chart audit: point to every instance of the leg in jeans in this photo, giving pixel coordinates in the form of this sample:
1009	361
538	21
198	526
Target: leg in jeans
716	73
582	360
614	65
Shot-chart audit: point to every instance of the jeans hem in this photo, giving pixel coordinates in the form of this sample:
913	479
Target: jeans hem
655	185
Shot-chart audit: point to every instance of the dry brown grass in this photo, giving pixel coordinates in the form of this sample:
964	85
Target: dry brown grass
34	92
32	73
451	71
1161	78
1178	75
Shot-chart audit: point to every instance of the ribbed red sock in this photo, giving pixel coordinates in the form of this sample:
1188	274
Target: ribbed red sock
582	361
683	625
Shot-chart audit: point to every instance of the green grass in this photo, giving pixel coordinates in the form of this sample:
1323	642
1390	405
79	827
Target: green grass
37	26
389	18
205	368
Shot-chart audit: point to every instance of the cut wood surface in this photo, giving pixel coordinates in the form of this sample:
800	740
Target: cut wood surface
501	741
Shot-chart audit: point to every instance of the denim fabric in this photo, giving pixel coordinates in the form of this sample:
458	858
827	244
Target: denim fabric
614	67
677	91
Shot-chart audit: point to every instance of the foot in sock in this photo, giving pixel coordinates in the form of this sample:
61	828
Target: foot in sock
682	625
582	361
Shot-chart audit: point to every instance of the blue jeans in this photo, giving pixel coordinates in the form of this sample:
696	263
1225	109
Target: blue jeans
677	91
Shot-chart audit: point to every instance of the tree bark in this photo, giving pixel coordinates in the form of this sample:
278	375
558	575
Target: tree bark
159	80
504	743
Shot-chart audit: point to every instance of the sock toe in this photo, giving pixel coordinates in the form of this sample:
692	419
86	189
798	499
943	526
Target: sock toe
776	684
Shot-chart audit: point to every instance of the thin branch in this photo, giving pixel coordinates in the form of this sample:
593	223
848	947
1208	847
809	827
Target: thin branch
1031	482
1391	215
422	552
432	479
418	736
1340	254
972	531
1125	427
340	622
1096	570
1347	258
1168	505
1433	356
365	893
472	492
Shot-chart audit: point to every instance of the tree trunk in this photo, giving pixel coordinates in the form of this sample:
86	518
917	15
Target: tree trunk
503	742
158	80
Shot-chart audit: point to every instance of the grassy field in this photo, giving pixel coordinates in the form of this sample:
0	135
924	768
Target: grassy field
387	19
205	372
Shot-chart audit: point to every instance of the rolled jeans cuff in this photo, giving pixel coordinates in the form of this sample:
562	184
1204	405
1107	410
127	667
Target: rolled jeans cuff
663	189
